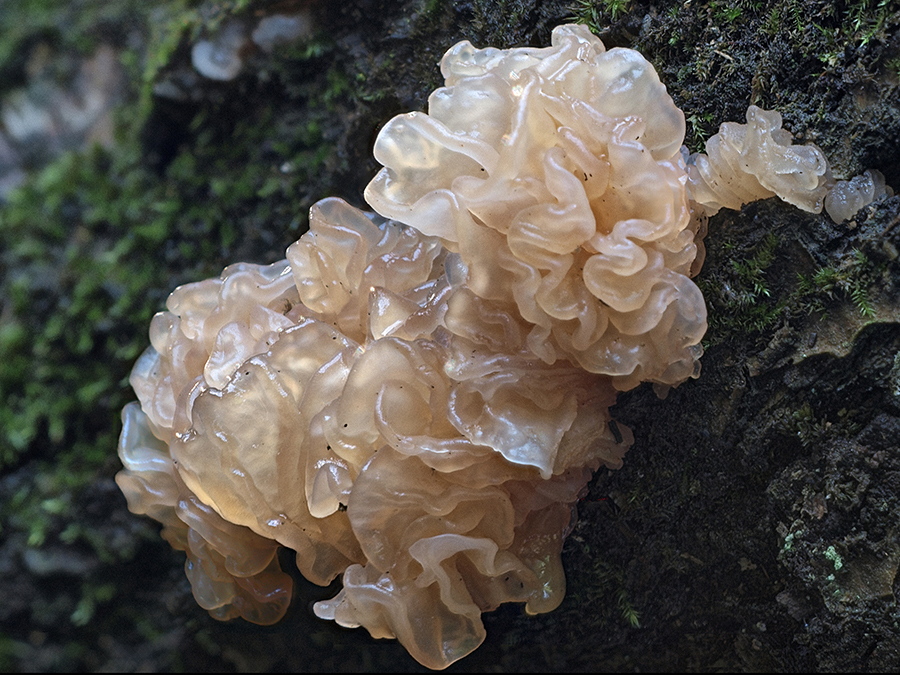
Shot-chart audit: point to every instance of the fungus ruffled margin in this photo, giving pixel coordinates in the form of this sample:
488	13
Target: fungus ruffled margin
746	162
849	196
417	403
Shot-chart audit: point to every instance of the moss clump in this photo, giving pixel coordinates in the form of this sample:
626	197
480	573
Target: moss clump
789	277
91	245
739	294
848	278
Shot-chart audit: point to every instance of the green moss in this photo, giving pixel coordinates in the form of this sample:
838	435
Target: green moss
803	425
701	126
747	291
607	593
71	24
849	278
596	15
730	12
91	245
92	595
84	243
739	296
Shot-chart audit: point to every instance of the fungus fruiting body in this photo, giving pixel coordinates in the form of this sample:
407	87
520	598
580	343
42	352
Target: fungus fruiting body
415	400
849	196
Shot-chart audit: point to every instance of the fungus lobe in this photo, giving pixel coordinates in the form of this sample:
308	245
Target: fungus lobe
415	400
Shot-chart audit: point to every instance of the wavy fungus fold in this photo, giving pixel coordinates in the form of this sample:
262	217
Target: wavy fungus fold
322	404
756	160
555	175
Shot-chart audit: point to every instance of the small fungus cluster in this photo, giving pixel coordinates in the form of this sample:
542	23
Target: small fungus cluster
415	400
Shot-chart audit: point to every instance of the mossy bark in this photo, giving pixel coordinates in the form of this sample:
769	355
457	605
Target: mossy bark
756	522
